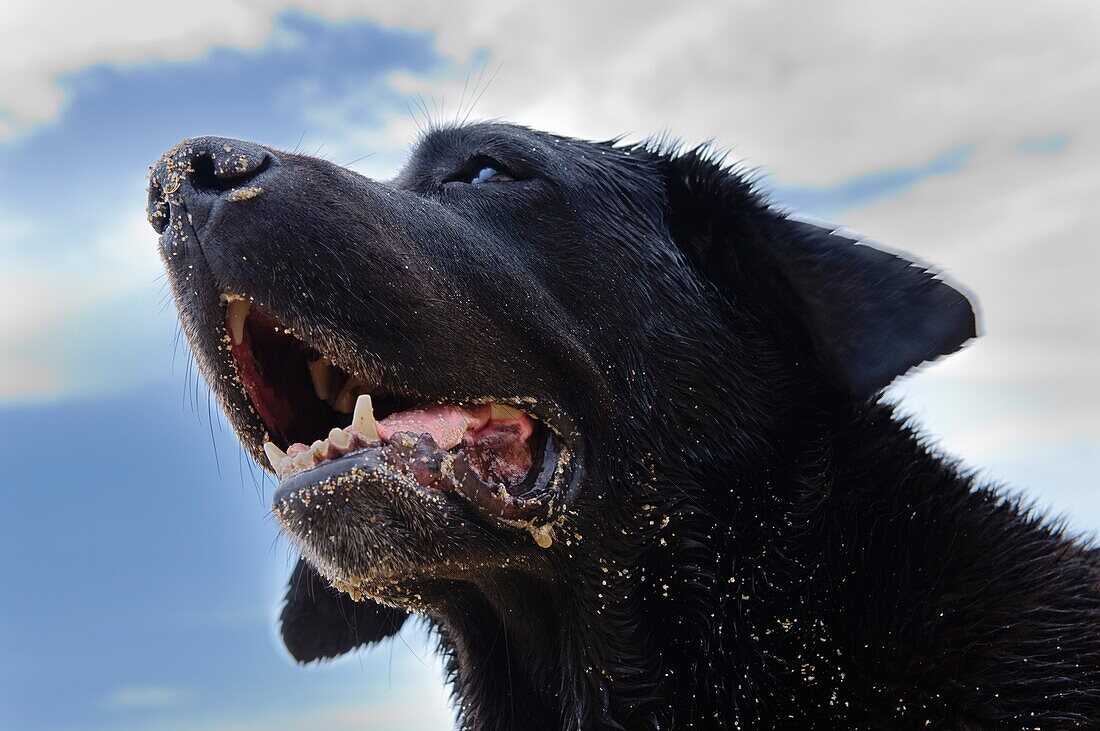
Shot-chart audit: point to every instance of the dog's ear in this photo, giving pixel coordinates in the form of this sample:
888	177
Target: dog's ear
865	314
319	622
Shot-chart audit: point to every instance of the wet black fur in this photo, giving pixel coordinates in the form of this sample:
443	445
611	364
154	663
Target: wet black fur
760	542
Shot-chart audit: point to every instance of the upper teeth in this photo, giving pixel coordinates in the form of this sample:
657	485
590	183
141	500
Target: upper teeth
327	385
235	316
500	411
349	394
324	377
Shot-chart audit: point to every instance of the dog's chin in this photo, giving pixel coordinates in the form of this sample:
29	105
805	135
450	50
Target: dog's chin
403	511
374	532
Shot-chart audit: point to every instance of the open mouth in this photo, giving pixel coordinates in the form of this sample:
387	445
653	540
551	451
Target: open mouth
323	422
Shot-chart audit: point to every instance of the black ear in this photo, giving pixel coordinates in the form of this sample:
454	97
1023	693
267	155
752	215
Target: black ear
319	622
865	314
871	314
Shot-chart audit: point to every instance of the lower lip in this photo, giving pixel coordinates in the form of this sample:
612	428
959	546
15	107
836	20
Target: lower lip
418	464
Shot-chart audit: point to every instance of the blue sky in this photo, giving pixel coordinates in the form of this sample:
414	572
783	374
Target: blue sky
144	573
143	581
73	186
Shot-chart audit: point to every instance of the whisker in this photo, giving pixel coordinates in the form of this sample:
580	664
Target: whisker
488	83
359	159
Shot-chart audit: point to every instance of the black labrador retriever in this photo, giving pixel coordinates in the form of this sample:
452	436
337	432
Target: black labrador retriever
612	423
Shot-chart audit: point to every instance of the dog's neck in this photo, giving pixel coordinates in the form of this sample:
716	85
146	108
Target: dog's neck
762	619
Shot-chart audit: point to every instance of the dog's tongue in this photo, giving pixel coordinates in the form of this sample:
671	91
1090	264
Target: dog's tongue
447	424
495	439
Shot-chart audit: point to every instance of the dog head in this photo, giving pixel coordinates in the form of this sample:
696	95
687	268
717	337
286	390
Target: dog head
490	375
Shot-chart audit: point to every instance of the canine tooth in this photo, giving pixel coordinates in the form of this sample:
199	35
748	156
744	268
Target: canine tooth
276	457
363	420
345	402
236	314
324	379
500	411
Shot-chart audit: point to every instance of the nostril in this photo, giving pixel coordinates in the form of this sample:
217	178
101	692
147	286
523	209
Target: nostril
208	176
156	208
189	179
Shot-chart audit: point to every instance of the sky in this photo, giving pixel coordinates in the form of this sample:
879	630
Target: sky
144	573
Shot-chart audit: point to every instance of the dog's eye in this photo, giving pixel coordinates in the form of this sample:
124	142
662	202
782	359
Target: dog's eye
490	174
480	170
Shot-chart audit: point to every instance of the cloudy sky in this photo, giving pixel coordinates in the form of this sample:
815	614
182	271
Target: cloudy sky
143	573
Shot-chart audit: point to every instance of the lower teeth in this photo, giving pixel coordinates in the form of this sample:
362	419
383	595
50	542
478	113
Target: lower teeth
299	457
362	421
363	432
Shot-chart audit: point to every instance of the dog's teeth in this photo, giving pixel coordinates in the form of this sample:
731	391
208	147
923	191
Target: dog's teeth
338	444
276	457
500	411
235	315
363	420
345	401
298	462
324	379
339	439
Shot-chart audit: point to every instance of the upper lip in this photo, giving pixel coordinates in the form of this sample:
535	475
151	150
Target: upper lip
369	376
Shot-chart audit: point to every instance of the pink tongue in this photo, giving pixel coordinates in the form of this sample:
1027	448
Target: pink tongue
497	448
445	423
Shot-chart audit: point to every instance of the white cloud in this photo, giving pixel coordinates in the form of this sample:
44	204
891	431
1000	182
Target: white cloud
41	42
814	93
1019	231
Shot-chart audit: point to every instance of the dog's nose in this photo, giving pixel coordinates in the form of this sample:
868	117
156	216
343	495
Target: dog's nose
189	178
